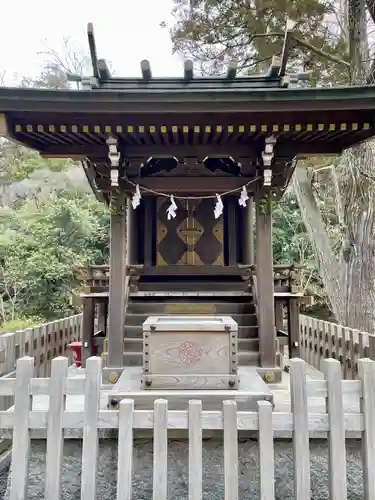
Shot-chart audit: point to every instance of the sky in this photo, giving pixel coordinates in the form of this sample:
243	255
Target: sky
126	32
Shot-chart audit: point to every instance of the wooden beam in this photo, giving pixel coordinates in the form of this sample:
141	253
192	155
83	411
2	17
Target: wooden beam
188	69
174	185
181	151
288	38
93	53
185	270
265	283
104	72
117	280
146	70
191	184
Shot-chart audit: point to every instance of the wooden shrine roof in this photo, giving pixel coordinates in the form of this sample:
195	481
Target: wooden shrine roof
59	123
188	117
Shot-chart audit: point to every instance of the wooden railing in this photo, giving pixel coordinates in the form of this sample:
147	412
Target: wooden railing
321	339
335	419
96	277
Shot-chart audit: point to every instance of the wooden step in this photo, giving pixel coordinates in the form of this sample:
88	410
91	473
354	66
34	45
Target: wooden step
249	332
248	358
135	344
186	307
137	319
179	293
191	286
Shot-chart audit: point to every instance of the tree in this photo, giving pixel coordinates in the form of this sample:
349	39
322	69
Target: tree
41	245
212	32
50	222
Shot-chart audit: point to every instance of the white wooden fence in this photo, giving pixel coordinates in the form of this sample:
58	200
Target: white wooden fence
320	340
43	342
23	419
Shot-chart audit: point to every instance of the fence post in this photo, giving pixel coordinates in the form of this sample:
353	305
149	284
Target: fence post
55	438
301	451
160	476
195	450
90	448
125	450
21	436
336	435
266	451
230	450
366	371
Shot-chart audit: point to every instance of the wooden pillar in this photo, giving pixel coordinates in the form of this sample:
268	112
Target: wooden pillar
148	201
102	308
265	291
88	328
248	233
232	231
279	315
293	327
131	236
117	287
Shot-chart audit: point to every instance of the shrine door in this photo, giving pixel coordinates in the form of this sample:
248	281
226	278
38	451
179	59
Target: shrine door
194	237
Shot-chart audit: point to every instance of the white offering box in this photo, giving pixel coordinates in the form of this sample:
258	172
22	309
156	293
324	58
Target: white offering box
190	352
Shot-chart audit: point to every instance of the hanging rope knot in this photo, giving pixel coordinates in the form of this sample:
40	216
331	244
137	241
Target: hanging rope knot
171	210
136	200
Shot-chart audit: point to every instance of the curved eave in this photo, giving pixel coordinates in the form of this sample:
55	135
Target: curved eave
212	99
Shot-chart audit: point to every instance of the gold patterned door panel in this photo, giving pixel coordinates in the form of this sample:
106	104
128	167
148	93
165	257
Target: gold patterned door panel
194	237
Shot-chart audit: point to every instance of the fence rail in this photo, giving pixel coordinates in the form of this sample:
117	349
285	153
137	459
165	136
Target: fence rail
320	340
22	419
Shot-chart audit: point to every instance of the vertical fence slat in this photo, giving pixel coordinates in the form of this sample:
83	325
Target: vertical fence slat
10	351
160	476
90	448
230	450
125	450
21	436
195	450
366	371
301	451
266	452
55	437
336	437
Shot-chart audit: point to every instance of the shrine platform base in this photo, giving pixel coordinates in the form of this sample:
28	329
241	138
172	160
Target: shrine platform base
251	389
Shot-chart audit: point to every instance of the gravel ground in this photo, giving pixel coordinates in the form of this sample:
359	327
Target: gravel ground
178	470
3	483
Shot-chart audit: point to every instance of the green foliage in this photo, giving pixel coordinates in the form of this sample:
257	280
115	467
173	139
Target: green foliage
291	244
18	163
41	245
213	32
20	324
